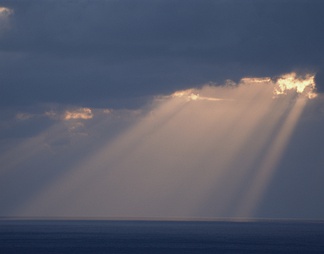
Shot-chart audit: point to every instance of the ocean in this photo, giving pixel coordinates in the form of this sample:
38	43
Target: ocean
108	236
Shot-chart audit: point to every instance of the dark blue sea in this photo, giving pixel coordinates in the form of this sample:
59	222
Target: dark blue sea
104	236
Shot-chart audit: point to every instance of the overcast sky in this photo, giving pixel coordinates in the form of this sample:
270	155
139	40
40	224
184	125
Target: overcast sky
96	52
79	81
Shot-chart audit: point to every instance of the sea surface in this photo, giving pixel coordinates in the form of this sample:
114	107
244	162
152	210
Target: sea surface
104	236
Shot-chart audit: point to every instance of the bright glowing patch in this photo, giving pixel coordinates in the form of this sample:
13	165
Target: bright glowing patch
302	85
4	15
4	11
192	95
81	113
256	80
188	94
179	93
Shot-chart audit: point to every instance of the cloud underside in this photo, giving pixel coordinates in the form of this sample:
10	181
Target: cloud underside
116	54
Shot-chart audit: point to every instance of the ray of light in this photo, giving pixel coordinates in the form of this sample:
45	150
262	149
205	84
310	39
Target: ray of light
248	141
95	168
199	152
266	169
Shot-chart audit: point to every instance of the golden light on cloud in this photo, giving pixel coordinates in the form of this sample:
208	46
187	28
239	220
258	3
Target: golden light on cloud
81	113
192	95
290	82
254	80
304	85
188	94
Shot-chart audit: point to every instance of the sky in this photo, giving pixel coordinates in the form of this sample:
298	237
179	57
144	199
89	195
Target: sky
162	109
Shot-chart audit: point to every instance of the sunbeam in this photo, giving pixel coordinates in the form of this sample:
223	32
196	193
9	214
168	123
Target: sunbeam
271	158
208	152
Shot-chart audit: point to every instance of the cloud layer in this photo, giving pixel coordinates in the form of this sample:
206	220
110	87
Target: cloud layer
116	54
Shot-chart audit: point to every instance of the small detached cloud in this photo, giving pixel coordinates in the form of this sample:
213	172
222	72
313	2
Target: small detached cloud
78	114
5	14
62	114
32	121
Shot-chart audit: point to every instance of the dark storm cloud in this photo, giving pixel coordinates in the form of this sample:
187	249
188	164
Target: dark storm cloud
115	53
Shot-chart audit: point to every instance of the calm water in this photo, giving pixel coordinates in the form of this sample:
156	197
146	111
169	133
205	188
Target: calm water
160	237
